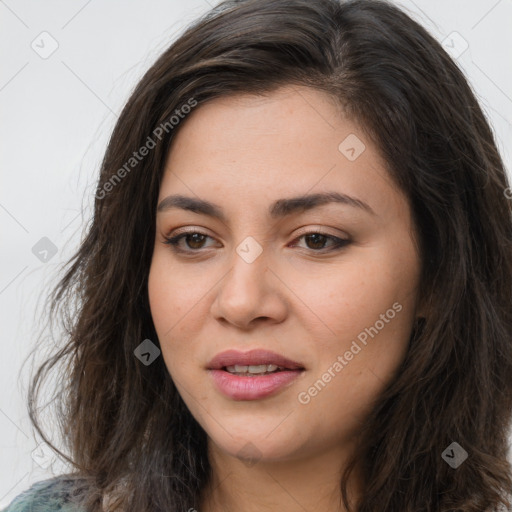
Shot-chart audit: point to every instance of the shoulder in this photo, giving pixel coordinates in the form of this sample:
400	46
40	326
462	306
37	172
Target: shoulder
57	494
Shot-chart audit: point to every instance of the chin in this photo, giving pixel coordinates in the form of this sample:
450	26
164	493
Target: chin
254	443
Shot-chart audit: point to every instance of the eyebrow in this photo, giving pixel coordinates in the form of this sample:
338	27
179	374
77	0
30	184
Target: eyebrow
278	209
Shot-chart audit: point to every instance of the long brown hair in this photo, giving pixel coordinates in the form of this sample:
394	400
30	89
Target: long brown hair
128	432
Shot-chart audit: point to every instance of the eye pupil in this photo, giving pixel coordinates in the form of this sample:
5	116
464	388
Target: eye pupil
317	238
196	238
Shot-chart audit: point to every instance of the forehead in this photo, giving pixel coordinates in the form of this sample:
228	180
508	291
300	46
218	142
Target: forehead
284	116
286	143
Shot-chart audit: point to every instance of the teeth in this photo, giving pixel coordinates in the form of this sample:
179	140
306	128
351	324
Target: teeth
253	369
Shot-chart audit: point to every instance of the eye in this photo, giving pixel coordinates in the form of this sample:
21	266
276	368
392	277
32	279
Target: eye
193	239
316	241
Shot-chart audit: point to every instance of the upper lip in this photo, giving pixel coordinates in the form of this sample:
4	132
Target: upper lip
252	357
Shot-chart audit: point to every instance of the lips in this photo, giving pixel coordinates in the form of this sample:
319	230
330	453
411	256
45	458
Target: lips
250	386
252	358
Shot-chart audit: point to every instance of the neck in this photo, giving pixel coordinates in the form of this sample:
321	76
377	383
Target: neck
306	484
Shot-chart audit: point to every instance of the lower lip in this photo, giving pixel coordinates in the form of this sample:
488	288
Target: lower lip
252	388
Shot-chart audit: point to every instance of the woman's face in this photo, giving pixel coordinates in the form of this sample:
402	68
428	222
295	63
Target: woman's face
331	285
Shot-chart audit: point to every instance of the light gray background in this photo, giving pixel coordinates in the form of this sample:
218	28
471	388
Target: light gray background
56	116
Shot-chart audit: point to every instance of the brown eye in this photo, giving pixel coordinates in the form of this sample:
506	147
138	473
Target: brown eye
316	242
194	241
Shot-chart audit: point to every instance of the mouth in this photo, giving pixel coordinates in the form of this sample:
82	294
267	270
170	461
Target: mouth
253	362
253	370
252	375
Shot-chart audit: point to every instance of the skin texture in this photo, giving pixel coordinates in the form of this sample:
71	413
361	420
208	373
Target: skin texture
296	299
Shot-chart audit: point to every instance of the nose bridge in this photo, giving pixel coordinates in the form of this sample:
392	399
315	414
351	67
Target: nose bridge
246	279
246	292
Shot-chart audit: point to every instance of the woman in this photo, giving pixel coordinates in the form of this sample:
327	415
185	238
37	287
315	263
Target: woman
295	292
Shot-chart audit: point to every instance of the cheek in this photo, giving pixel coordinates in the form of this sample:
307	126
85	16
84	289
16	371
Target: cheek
363	312
369	325
351	297
177	303
169	302
171	294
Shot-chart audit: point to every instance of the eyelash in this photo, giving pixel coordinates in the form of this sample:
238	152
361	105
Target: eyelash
339	243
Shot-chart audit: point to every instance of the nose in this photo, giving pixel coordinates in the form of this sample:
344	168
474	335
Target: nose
250	293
